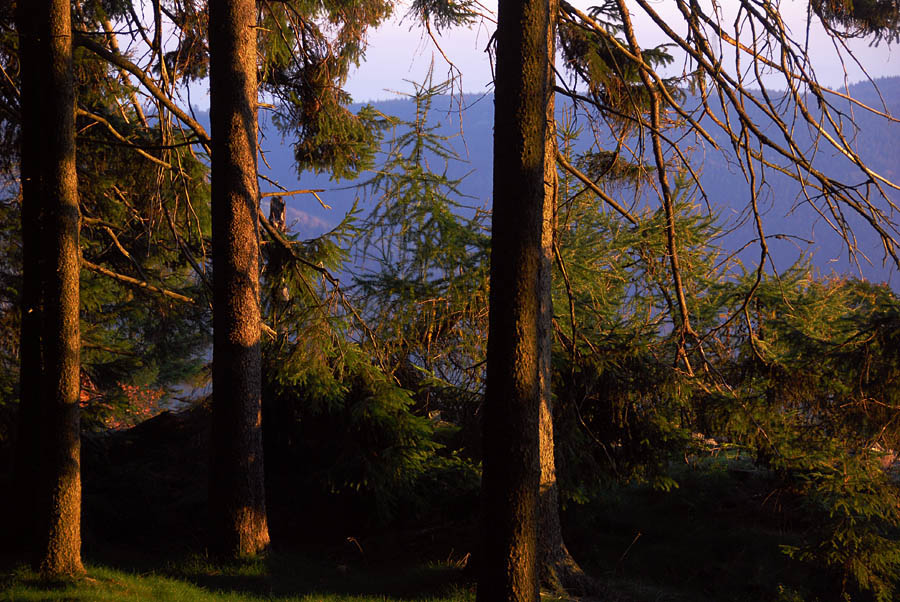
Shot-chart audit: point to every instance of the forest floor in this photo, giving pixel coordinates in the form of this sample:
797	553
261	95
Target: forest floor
279	577
718	535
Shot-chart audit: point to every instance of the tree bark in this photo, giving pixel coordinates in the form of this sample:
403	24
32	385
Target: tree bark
511	467
51	341
237	491
557	569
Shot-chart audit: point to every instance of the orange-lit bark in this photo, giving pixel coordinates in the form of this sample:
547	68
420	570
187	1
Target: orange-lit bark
51	343
511	464
237	492
556	567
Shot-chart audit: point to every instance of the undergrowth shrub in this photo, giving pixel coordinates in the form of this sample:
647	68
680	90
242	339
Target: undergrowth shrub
346	434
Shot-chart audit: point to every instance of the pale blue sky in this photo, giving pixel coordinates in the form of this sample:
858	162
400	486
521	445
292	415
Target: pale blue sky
402	51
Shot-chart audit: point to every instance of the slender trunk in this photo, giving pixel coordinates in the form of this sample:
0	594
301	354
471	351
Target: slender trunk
59	491
237	491
511	464
558	570
548	517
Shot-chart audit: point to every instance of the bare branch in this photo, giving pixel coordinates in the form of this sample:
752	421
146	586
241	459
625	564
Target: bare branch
93	267
112	130
593	186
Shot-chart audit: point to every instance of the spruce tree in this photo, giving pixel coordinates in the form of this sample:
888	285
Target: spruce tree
511	466
141	304
237	489
557	569
50	366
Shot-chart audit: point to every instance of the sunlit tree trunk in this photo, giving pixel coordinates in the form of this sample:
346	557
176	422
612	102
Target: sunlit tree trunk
511	467
557	569
237	493
51	343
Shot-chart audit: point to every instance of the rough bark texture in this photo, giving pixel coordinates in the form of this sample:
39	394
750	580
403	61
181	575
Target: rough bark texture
237	492
557	569
511	467
51	348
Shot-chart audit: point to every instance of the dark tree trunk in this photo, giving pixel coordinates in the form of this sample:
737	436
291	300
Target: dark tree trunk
28	443
557	569
51	340
511	464
237	492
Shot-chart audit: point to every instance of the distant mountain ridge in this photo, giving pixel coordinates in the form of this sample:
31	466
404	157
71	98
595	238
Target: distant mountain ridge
472	130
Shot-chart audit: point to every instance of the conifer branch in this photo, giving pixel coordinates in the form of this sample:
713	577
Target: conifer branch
313	191
286	245
93	267
112	130
120	61
655	92
291	192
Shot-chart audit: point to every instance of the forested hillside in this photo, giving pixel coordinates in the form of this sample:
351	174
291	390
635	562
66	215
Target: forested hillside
468	123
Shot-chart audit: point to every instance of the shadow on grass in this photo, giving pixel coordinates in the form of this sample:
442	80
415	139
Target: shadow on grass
288	576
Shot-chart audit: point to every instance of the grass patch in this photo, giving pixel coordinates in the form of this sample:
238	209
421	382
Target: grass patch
283	578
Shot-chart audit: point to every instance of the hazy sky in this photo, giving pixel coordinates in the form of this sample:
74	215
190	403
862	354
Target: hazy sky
402	51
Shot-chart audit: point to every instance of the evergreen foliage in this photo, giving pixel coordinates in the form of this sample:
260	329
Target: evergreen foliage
444	13
857	18
814	395
338	426
307	50
132	335
138	221
423	283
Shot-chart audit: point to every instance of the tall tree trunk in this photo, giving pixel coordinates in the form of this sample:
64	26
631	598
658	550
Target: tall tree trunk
51	349
511	465
237	490
557	569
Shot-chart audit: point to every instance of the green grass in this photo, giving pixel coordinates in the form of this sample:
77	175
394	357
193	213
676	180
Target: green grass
287	579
